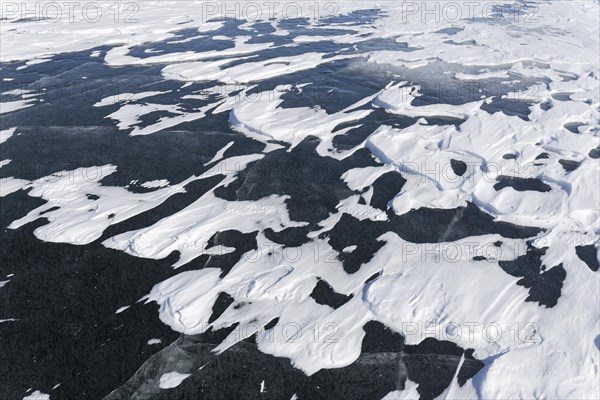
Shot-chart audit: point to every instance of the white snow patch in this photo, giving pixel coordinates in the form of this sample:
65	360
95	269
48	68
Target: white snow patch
5	134
37	395
172	379
10	106
158	183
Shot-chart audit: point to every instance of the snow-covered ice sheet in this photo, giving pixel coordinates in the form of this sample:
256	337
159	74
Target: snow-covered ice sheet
478	132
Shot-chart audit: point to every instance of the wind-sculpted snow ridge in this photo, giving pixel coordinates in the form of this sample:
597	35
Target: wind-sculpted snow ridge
367	204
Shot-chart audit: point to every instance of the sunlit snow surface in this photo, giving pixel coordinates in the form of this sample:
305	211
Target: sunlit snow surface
315	175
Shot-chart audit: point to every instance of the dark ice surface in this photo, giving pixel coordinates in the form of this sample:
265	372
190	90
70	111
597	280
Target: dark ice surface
458	167
323	293
544	285
242	370
588	254
521	184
